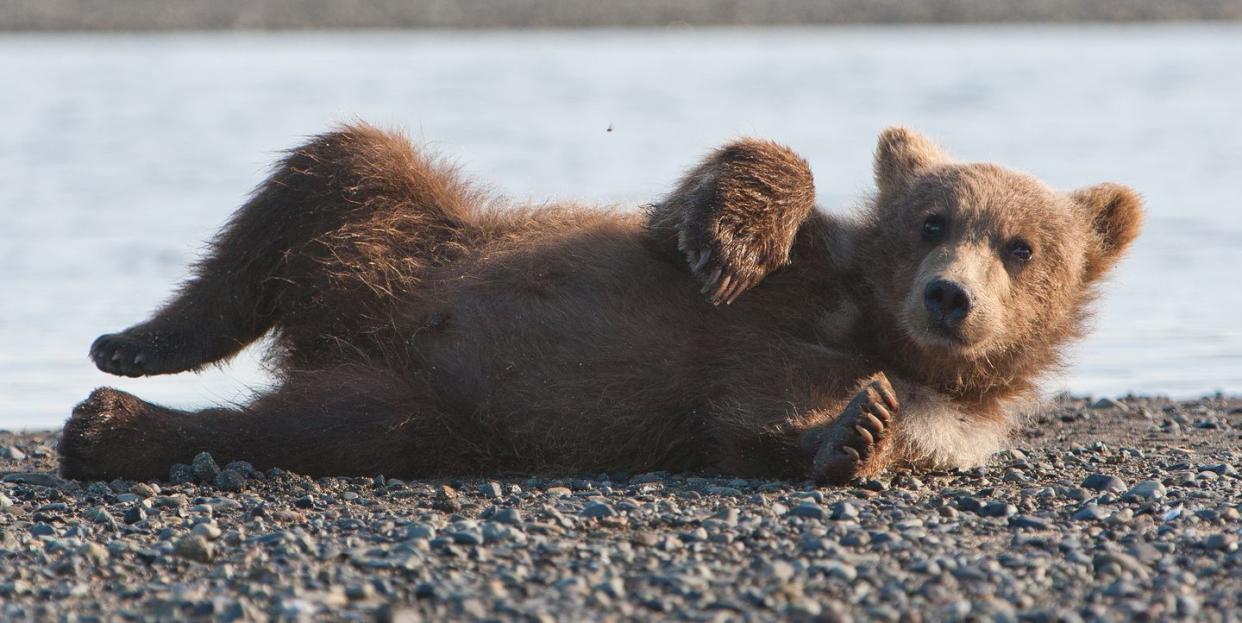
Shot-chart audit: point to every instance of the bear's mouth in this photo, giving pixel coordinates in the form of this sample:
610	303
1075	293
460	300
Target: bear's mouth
941	335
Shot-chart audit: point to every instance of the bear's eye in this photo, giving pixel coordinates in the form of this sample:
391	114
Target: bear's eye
933	228
1021	251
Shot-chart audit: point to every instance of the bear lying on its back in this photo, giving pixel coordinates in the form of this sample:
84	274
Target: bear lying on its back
422	328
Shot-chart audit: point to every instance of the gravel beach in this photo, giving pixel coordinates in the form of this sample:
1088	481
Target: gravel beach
1102	510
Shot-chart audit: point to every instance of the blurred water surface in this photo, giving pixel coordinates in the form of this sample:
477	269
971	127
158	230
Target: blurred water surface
120	155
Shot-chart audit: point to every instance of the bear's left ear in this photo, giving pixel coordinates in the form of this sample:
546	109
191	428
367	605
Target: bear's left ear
1116	216
901	155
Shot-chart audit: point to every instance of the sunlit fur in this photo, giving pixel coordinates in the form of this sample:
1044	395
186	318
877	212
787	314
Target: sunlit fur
423	327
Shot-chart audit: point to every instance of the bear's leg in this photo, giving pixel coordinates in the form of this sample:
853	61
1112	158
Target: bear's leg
735	216
348	220
335	422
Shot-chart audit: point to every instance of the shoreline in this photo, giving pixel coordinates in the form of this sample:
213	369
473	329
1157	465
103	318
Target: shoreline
175	15
1098	511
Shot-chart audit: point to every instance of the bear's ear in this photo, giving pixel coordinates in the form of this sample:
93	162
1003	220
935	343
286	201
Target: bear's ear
1116	216
901	155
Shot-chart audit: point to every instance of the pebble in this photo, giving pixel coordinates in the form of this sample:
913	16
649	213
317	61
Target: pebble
94	552
420	531
1104	482
1090	512
39	479
491	490
207	530
510	516
1065	545
181	473
1028	522
1109	403
1223	542
133	514
195	547
1147	489
205	468
781	570
230	480
998	509
598	510
844	511
12	453
144	490
242	467
809	510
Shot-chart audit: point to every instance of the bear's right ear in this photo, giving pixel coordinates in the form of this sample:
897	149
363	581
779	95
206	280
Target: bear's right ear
901	155
1115	213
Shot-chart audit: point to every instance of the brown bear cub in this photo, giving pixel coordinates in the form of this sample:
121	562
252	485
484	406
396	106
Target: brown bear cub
422	328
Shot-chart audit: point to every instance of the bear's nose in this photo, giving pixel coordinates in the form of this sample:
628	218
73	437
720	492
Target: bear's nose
946	302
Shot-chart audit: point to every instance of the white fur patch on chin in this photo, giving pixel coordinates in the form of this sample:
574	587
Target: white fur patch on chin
932	432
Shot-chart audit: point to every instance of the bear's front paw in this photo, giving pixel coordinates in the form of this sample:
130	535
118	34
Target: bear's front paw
726	271
142	353
856	443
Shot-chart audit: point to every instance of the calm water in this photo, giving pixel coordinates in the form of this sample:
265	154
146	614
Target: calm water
120	155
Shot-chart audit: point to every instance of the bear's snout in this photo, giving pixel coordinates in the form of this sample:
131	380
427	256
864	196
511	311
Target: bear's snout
947	303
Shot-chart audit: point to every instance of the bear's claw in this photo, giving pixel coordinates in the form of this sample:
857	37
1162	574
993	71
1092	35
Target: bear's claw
120	354
856	442
722	282
145	352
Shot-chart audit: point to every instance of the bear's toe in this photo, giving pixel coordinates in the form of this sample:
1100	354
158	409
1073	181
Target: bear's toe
855	443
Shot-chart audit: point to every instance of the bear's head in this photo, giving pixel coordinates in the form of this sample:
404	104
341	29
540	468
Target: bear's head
984	272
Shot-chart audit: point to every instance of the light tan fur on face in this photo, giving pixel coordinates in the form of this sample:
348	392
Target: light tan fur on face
958	395
975	266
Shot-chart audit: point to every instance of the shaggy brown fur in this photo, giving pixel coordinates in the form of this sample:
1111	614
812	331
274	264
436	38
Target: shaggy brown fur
423	328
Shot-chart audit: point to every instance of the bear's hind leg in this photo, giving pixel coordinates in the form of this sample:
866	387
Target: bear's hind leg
344	225
347	421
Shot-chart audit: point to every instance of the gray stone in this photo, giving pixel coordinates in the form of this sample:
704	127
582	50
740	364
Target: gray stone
42	529
205	468
808	510
1090	512
133	514
1028	522
13	453
781	570
1222	542
1108	403
1104	482
180	473
998	509
230	480
93	552
195	547
242	467
844	511
207	530
597	510
38	479
510	516
1147	490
